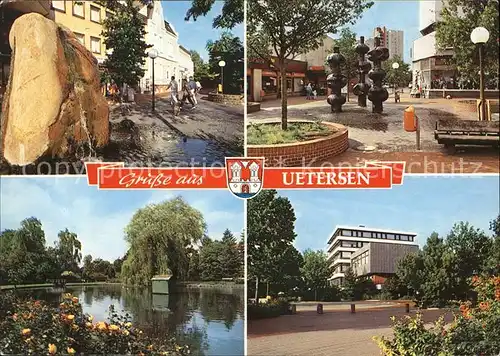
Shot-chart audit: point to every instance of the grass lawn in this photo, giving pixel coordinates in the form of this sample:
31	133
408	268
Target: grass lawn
272	134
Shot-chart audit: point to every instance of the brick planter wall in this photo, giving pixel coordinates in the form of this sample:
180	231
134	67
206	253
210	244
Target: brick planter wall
306	153
227	99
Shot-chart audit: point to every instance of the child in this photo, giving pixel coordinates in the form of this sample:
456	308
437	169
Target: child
315	94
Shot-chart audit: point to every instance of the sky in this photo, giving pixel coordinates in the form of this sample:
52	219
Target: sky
394	15
99	217
194	35
423	204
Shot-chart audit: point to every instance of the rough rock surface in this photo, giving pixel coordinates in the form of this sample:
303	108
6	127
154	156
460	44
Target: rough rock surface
53	101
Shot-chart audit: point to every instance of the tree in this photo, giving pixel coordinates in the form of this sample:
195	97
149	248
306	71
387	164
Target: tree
288	28
315	270
124	35
470	246
229	49
270	232
409	273
401	76
439	273
202	71
349	286
458	19
69	251
87	267
347	44
493	260
194	271
232	12
159	236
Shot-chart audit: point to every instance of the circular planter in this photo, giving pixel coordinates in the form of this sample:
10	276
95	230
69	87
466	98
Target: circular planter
228	99
304	153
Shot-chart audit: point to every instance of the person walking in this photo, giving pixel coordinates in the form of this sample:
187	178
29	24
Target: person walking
174	91
192	90
308	91
186	94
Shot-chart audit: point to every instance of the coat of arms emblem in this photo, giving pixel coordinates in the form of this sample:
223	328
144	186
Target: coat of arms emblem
245	176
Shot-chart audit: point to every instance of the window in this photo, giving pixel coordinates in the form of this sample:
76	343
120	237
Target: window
59	5
79	9
391	236
108	14
367	234
95	14
81	38
95	45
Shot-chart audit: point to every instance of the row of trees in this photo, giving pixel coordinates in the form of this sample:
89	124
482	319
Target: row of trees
441	272
26	258
166	238
124	35
434	276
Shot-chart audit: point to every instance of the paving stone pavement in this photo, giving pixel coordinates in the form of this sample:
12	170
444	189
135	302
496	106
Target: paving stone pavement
336	333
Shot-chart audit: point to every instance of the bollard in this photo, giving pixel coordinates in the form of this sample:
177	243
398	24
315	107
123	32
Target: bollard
294	309
417	124
407	308
319	309
353	308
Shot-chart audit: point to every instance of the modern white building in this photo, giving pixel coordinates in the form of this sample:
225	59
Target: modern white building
172	60
430	64
374	251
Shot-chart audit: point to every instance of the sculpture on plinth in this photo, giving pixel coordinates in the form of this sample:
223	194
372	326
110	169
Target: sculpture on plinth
336	80
377	94
361	89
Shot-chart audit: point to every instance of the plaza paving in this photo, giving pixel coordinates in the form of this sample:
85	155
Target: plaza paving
337	332
386	135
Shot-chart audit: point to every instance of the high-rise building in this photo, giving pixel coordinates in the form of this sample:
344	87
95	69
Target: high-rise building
430	64
392	39
369	252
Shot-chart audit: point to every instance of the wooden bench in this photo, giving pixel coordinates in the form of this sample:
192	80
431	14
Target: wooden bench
467	132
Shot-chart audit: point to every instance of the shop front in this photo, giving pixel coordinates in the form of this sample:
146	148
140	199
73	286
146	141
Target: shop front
316	75
264	81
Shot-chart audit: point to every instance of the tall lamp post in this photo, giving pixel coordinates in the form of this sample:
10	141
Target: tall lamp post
153	53
222	64
480	36
395	66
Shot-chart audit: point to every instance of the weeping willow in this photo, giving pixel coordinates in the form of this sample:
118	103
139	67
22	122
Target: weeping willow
159	237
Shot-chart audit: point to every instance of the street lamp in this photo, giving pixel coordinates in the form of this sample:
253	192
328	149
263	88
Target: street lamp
153	53
480	36
222	64
395	66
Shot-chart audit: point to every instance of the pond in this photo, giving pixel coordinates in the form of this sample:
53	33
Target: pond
210	321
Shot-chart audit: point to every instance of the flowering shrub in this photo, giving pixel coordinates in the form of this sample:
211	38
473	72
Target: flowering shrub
32	327
272	308
473	332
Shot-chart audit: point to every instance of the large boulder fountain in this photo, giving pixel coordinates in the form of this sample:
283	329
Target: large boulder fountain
53	101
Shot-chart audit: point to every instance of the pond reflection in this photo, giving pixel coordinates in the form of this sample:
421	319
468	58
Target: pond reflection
209	321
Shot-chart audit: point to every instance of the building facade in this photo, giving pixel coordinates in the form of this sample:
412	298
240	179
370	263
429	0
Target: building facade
85	20
431	65
392	39
348	244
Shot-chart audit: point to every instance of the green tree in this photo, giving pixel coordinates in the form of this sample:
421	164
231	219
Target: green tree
69	251
159	236
202	71
493	259
229	49
315	270
400	77
87	267
409	273
211	261
232	12
270	233
458	19
470	247
288	28
124	35
347	44
194	271
439	272
349	286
